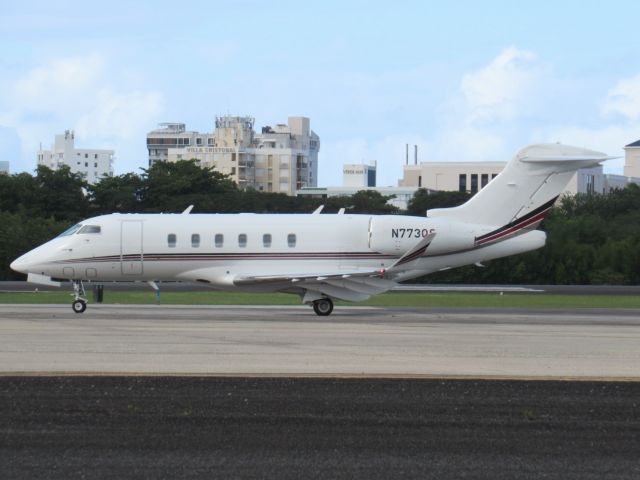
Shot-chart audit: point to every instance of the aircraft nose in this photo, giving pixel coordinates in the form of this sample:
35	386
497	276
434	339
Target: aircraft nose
19	265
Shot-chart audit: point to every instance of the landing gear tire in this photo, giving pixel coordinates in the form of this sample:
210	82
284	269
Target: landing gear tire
323	307
79	306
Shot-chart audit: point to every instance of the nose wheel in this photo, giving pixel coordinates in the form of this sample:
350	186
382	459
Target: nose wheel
79	304
323	307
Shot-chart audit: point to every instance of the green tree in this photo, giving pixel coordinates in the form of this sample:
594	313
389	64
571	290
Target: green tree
116	194
19	233
171	187
60	194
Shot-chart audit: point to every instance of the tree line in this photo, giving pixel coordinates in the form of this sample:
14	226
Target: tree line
591	239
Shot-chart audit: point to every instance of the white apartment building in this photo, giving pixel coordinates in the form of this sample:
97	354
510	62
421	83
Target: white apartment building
282	158
4	167
359	175
92	163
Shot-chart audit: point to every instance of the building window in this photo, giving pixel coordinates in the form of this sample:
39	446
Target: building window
419	181
209	141
266	240
591	184
86	164
187	141
195	240
462	182
219	240
198	141
493	175
86	155
291	240
171	240
95	155
242	240
95	164
474	183
484	179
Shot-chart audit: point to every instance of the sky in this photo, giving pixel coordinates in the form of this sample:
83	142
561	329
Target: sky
463	80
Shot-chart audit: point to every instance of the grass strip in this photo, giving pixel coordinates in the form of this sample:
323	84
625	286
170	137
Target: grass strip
390	299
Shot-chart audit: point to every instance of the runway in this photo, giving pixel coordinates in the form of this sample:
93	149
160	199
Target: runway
277	392
292	341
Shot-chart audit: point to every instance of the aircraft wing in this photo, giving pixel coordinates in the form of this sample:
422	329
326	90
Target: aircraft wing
352	286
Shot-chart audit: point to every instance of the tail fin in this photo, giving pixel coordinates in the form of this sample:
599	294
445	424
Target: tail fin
527	187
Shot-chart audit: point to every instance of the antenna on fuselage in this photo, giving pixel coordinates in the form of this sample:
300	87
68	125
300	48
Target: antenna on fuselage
187	210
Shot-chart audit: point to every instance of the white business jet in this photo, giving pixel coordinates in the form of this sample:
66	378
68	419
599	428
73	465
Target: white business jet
320	257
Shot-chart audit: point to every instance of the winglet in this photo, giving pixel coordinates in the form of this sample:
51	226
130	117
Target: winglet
187	210
318	210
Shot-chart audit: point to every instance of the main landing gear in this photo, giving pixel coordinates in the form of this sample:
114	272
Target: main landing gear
323	307
79	304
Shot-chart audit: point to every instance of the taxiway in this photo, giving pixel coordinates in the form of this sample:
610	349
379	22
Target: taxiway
292	341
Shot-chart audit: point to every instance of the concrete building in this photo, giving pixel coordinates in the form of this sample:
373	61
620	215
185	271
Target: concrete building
632	159
4	167
92	163
282	158
473	176
450	176
359	175
173	135
401	199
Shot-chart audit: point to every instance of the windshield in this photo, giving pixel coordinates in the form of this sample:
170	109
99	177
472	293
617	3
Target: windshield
70	231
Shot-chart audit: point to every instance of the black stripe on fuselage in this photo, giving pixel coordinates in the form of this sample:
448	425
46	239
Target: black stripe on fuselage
518	221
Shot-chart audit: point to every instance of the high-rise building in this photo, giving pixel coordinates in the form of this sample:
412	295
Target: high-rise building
92	163
4	167
282	158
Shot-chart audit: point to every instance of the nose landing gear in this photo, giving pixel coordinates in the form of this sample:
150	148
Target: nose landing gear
79	304
323	307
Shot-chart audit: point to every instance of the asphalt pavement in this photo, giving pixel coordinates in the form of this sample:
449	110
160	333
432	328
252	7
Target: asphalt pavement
208	427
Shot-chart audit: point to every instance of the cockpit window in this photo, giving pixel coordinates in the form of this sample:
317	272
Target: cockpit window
90	229
70	231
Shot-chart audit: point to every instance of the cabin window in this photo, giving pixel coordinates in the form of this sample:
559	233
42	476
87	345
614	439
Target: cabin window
291	239
219	240
195	240
90	229
171	240
242	240
266	240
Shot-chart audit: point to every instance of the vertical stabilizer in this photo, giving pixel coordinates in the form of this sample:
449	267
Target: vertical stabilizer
527	187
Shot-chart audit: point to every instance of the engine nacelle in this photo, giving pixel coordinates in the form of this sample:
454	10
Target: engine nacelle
394	235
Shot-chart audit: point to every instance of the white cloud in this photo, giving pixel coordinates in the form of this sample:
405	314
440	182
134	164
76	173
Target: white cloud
119	115
499	91
624	99
89	94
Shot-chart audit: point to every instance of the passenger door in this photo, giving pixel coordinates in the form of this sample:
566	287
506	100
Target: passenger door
131	247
